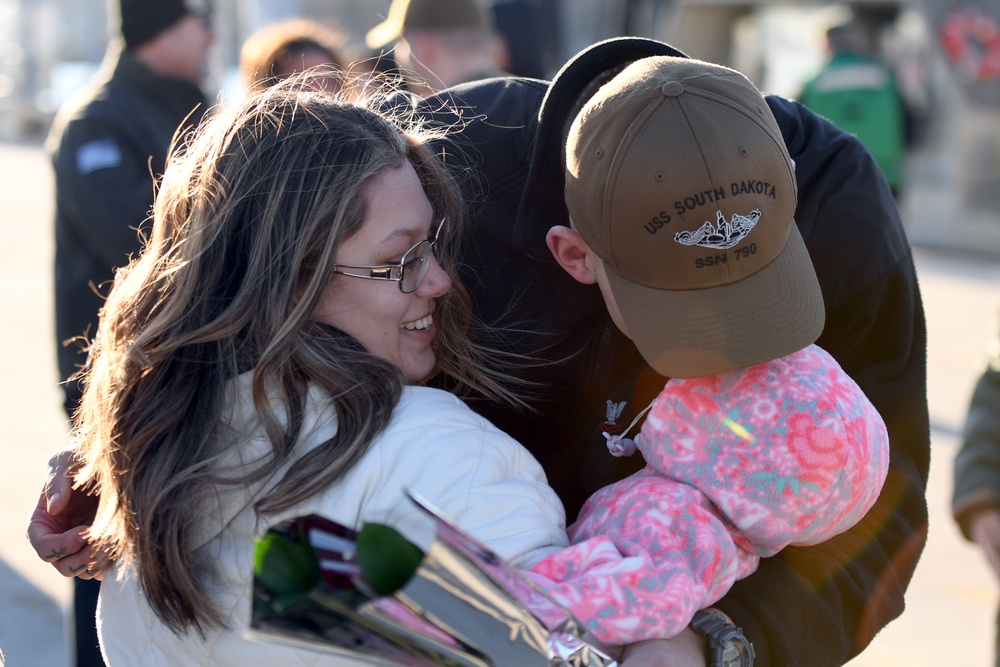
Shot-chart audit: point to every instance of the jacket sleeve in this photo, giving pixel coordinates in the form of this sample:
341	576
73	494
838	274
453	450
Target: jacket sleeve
822	605
475	474
977	465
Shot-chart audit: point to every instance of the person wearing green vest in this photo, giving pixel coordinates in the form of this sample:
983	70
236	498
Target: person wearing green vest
858	93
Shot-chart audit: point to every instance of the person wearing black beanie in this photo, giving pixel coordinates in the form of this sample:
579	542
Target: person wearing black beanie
141	20
107	144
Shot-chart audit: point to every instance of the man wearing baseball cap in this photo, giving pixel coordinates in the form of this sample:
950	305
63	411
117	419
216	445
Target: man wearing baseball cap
103	144
679	183
682	196
819	605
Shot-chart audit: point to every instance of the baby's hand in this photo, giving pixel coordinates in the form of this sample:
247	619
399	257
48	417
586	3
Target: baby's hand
619	446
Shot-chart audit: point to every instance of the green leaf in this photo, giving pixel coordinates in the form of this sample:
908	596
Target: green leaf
386	558
288	569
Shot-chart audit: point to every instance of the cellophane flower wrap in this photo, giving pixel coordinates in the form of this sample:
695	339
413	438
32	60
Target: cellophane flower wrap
457	604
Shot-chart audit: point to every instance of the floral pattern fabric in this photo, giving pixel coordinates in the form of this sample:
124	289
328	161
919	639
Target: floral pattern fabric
739	466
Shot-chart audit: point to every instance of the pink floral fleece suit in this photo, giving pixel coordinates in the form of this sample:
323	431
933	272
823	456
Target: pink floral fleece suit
739	466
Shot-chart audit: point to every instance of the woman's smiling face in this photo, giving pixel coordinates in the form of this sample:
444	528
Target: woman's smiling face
394	326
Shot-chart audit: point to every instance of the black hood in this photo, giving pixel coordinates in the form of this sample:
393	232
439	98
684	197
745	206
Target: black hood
509	152
507	148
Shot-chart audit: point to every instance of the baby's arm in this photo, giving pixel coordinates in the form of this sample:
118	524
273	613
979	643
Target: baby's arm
647	554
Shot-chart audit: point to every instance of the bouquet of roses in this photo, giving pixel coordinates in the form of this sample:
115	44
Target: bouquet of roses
375	598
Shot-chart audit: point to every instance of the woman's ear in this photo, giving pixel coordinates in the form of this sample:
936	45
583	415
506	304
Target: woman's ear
571	253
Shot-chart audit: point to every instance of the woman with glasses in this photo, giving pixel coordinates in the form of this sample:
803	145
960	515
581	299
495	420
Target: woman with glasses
265	358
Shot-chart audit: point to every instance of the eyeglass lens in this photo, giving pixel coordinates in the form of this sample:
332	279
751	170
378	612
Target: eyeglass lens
415	263
415	266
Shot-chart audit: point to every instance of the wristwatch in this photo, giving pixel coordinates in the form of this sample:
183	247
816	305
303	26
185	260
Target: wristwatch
727	647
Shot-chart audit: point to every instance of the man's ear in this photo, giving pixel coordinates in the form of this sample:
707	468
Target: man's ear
571	253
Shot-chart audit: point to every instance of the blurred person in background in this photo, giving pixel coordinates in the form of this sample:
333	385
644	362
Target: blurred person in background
976	494
529	31
859	94
108	145
440	43
281	49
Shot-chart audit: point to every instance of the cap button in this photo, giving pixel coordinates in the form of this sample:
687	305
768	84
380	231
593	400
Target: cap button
672	89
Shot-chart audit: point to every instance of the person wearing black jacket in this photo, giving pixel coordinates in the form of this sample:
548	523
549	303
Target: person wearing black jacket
814	606
108	144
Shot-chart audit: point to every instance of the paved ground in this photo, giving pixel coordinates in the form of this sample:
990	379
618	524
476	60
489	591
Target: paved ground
950	604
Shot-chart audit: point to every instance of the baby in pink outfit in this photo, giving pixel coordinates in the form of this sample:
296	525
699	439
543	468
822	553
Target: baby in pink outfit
739	466
682	197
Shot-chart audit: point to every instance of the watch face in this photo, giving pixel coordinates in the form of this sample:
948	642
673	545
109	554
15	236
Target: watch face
736	654
728	647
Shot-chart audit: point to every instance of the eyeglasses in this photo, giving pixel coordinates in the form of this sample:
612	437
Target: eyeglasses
410	271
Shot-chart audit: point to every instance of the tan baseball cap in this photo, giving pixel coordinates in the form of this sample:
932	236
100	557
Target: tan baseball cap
677	177
427	14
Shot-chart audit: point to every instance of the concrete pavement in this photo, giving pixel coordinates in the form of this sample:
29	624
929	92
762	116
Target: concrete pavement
951	603
952	600
33	597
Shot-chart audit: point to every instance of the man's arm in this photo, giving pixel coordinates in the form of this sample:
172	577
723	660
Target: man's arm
822	605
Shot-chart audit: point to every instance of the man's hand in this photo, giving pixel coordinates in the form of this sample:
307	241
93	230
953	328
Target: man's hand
687	649
58	526
984	528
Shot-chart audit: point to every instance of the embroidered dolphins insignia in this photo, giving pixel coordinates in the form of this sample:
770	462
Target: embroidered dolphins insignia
724	234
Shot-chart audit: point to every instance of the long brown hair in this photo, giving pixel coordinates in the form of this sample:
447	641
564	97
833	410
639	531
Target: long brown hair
247	224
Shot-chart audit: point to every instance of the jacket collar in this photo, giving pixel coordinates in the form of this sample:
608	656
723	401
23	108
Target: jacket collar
177	97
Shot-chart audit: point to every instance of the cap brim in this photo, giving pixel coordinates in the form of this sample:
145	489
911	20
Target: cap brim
694	333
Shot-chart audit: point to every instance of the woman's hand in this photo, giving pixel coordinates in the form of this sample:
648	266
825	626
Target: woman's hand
687	649
58	526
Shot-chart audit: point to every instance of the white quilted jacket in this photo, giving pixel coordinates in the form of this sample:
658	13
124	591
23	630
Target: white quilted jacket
434	445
